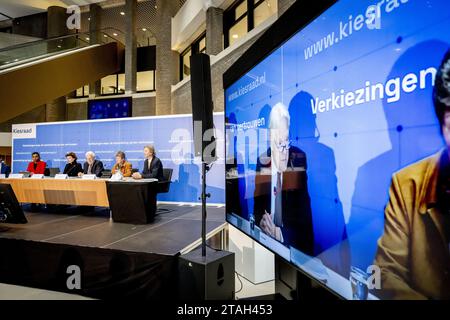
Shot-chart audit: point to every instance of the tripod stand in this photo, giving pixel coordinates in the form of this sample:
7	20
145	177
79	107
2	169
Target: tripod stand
204	195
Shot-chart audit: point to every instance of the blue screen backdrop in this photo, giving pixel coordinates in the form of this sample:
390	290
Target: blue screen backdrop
110	108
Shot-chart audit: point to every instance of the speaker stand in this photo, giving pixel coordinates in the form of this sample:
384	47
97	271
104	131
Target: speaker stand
204	195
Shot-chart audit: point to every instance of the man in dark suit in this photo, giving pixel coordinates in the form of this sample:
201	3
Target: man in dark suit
153	167
92	165
4	168
282	206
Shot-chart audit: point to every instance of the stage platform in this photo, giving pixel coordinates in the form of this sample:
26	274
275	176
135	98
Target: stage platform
112	255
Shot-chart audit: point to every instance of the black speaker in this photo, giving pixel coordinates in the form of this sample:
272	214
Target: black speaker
10	209
202	108
206	278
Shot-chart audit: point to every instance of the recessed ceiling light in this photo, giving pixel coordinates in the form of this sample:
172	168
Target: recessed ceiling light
235	36
89	19
144	29
105	35
115	34
156	7
87	39
122	13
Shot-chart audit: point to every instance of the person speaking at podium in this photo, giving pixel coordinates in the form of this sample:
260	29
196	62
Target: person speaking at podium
36	166
153	167
122	165
92	165
72	167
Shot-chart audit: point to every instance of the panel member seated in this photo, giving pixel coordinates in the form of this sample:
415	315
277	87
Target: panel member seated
4	168
92	165
153	167
36	166
72	167
122	164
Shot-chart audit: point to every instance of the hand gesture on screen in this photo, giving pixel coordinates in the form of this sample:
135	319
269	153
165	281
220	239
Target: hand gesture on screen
268	227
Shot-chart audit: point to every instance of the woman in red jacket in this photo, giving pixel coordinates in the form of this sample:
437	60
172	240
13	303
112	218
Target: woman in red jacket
36	166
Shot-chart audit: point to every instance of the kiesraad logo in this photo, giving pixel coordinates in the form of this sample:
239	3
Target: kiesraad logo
24	131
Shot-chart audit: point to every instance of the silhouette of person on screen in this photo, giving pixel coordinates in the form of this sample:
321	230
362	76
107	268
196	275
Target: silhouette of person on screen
281	201
330	244
235	173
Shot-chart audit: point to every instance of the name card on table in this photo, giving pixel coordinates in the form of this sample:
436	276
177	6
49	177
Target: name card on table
61	176
116	176
89	177
37	176
16	176
2	176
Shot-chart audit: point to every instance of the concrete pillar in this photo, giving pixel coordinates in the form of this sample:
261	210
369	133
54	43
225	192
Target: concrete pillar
95	22
56	110
56	27
283	5
166	60
214	30
130	46
56	22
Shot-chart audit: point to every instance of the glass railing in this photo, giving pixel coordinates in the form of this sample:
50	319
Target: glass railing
31	51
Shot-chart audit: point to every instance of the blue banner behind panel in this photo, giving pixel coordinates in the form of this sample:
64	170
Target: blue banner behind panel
171	136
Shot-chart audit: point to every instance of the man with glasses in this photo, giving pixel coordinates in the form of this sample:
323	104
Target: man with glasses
281	201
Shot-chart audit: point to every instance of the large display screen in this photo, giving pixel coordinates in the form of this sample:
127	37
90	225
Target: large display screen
109	108
337	149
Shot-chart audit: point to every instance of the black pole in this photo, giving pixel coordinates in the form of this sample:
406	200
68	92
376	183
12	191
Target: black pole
204	195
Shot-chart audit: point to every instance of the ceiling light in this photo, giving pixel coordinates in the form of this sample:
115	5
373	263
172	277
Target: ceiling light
87	39
235	36
144	29
89	19
105	35
122	13
156	7
115	34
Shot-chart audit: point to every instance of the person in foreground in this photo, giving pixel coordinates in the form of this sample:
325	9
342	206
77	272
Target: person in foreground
72	167
153	167
414	251
92	165
122	165
36	166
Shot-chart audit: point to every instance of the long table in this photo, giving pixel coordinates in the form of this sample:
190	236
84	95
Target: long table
130	201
